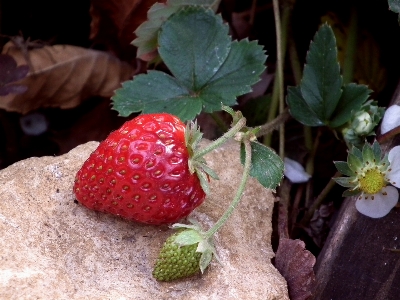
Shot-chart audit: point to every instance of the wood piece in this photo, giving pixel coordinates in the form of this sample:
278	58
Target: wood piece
356	262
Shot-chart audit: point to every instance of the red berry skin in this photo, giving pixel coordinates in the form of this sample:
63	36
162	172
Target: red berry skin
140	172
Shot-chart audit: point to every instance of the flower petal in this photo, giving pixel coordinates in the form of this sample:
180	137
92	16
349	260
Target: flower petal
390	119
295	171
394	159
381	205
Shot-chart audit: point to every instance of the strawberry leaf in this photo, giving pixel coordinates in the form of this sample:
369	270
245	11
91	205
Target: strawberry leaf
316	99
10	73
154	92
266	165
209	69
147	32
321	82
353	96
299	108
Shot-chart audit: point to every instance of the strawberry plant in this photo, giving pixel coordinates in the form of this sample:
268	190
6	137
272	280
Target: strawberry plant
207	72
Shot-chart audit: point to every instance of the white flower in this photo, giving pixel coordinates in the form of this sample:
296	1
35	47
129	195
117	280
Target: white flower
370	179
391	119
295	171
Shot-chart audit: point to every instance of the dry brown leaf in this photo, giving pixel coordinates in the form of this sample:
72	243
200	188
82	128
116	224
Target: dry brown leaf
114	22
64	76
296	266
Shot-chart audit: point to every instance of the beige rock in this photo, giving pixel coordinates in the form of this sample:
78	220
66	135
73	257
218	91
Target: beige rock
54	248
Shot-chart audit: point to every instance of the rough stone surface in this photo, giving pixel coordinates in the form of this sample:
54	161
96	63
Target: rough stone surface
54	248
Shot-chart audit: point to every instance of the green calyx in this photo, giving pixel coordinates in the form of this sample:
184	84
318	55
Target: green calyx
197	163
366	170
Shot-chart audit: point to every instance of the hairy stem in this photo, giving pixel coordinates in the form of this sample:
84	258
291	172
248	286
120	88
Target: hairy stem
218	142
274	124
239	192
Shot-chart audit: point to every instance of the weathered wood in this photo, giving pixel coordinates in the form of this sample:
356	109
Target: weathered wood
355	262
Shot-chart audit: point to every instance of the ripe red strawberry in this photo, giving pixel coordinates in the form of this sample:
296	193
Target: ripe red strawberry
141	172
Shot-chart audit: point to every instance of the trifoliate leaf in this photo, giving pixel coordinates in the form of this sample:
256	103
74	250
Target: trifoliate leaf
321	82
266	165
194	44
299	108
353	96
147	32
209	69
154	92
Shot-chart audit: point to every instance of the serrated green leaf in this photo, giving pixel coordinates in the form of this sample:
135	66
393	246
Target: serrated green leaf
210	70
241	69
299	108
266	166
194	43
353	96
343	168
321	82
147	32
155	92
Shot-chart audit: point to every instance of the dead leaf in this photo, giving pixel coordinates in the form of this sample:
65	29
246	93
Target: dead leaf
296	266
114	22
63	76
9	72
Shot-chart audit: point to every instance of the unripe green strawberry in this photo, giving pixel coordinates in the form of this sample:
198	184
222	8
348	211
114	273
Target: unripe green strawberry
175	261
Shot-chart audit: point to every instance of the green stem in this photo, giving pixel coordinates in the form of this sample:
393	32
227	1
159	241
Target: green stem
218	142
351	47
278	91
310	165
239	192
279	61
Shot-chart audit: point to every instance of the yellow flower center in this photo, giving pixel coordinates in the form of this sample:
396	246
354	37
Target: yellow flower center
372	182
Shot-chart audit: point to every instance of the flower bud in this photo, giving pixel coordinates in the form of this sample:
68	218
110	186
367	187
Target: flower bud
362	123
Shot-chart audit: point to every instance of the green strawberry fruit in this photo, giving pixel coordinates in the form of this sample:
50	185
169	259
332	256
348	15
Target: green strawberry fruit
175	261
